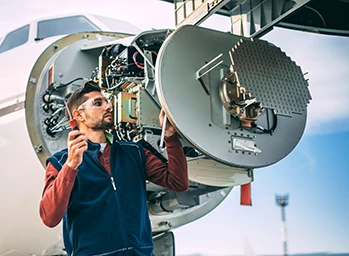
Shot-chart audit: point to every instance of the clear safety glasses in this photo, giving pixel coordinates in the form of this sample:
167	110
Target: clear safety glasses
98	102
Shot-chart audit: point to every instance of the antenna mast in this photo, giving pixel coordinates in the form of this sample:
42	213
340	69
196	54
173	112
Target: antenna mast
282	201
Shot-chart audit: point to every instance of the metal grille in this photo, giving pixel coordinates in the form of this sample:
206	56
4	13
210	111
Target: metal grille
271	76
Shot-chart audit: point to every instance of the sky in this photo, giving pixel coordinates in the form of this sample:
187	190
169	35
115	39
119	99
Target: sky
315	174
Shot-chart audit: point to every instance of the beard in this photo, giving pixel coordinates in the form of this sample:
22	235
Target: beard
101	124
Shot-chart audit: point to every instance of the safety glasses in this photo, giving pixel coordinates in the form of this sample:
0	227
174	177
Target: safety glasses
98	102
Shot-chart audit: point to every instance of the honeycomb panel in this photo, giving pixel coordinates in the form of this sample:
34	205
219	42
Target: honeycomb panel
271	76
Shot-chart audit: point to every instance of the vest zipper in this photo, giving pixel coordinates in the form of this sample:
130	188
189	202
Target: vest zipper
113	183
119	212
116	192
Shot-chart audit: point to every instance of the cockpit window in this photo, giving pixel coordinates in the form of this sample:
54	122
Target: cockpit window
15	38
62	26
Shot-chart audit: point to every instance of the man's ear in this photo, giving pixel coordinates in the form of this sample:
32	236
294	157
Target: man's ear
78	116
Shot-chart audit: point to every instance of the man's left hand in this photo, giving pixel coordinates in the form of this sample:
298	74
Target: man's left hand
169	130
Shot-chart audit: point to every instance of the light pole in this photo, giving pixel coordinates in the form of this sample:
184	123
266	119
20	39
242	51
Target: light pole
282	200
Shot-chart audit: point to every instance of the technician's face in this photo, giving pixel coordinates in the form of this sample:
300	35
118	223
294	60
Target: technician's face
96	111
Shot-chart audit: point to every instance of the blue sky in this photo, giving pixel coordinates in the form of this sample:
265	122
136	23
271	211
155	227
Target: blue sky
315	174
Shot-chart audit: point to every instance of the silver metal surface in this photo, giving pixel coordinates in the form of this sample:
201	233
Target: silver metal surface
148	110
164	244
247	145
200	117
207	67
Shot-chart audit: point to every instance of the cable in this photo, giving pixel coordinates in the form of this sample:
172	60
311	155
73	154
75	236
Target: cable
51	88
272	129
318	13
135	61
72	81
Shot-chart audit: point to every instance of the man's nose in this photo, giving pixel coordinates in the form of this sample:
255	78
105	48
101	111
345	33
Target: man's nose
108	105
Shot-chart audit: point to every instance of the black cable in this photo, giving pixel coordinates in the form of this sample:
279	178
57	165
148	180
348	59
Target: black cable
275	122
51	88
272	129
72	81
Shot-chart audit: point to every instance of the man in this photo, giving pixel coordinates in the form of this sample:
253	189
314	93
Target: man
98	185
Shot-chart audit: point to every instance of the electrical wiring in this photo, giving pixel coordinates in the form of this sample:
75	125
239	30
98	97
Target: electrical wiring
139	65
272	129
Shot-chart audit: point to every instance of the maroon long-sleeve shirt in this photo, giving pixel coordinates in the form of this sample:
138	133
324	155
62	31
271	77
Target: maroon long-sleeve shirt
58	185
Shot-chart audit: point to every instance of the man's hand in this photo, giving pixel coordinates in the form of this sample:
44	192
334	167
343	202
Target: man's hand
77	145
169	130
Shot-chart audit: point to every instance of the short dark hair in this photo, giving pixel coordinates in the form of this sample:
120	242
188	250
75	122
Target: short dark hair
78	97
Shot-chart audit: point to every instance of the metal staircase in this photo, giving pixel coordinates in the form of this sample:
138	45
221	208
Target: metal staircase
254	18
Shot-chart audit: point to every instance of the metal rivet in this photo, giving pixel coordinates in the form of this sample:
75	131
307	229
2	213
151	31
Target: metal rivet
38	149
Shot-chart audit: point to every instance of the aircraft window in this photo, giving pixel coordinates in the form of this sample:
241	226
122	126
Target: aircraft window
15	38
63	26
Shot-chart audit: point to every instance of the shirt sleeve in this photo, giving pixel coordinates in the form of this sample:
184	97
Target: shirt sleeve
56	194
173	175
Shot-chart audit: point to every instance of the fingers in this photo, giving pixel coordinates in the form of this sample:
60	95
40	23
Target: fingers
79	139
78	142
161	116
77	145
169	129
78	150
74	134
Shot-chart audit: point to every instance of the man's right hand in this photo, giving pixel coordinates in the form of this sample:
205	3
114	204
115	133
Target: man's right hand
77	145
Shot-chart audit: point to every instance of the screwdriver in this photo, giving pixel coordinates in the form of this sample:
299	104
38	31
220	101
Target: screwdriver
71	121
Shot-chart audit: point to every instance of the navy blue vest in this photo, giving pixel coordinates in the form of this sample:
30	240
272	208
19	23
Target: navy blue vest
102	219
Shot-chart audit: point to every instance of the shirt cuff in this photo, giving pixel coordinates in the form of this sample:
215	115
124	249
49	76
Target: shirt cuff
172	139
68	173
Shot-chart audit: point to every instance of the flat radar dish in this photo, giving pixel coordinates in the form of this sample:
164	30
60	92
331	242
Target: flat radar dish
196	66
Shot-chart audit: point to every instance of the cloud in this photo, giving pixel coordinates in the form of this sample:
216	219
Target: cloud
326	59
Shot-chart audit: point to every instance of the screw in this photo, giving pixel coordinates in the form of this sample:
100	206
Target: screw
38	149
163	223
